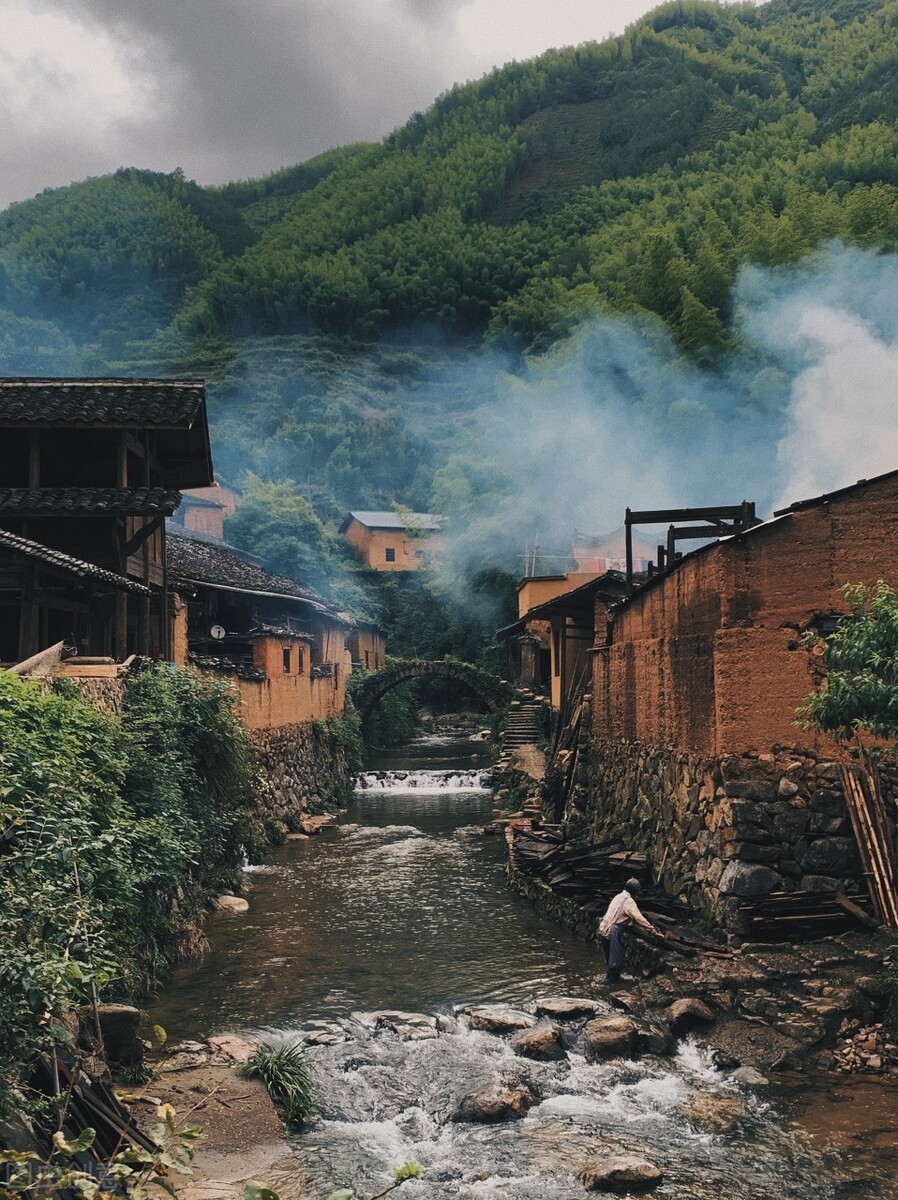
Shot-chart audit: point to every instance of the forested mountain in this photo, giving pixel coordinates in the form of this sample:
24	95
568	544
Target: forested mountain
326	301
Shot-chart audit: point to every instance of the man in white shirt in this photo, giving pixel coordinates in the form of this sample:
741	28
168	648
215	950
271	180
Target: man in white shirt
622	910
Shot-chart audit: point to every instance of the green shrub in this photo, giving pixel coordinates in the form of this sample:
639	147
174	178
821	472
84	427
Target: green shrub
287	1077
114	833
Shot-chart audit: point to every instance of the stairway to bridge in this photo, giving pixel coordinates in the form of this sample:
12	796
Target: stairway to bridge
524	725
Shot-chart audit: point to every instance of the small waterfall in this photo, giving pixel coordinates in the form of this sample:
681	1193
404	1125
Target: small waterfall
401	782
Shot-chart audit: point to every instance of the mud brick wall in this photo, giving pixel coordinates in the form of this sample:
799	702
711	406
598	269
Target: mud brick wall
720	831
301	772
709	657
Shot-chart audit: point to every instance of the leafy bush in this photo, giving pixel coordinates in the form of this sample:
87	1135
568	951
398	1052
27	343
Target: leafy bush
114	832
287	1077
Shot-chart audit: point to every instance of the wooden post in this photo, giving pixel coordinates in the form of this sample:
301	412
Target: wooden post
28	613
628	529
34	460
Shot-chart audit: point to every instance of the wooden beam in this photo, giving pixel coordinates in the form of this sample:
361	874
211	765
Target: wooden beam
142	535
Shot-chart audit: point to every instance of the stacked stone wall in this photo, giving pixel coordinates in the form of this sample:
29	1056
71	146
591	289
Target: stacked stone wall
301	772
104	694
720	831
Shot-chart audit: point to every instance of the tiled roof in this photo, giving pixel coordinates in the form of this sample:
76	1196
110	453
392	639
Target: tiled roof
242	670
121	501
163	403
281	631
65	562
197	561
392	520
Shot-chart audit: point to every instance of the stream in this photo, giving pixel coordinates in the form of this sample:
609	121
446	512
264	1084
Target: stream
403	906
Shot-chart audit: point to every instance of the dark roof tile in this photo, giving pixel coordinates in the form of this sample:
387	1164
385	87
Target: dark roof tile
120	501
65	562
163	403
193	560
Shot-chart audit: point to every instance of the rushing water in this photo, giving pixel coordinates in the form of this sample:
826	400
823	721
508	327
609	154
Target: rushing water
404	906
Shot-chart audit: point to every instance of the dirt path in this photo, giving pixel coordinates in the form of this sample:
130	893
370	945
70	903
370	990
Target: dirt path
243	1136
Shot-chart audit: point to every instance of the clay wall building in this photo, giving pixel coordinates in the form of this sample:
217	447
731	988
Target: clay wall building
549	647
696	755
285	647
389	541
205	510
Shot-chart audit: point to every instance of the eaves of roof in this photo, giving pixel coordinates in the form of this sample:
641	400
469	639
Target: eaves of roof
67	563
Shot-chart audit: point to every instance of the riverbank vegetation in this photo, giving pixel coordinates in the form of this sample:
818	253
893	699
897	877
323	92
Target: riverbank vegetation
116	830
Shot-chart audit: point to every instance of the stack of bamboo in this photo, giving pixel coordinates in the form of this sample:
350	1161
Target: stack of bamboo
873	833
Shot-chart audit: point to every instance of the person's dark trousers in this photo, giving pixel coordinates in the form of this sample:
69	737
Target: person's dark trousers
613	949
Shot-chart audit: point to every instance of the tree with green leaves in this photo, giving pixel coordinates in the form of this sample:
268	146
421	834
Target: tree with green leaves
859	695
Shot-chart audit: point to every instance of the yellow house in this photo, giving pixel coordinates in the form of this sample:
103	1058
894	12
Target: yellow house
286	648
390	541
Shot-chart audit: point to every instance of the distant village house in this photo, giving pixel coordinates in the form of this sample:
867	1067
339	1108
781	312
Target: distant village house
389	541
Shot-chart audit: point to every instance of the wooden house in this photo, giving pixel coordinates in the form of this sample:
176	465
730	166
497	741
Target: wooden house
286	647
89	471
389	541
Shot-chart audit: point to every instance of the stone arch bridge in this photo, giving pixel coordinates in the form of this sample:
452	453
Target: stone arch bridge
489	689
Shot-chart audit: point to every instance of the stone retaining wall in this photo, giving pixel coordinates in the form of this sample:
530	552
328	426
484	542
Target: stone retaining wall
721	830
302	772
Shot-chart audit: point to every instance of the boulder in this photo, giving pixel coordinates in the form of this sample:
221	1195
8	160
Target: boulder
748	880
566	1008
750	1077
231	904
496	1018
118	1026
408	1026
688	1014
610	1037
716	1114
831	856
623	1173
542	1041
494	1103
652	1037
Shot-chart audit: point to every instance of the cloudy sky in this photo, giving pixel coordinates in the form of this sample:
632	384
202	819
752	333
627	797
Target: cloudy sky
230	89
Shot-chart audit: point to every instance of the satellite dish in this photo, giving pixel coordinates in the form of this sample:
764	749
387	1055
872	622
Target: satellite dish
217	632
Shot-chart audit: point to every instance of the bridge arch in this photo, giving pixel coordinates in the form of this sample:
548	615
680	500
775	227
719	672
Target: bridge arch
488	688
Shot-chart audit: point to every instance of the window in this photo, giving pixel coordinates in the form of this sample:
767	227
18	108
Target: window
391	553
287	660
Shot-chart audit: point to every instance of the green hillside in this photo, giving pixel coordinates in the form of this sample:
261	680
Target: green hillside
328	303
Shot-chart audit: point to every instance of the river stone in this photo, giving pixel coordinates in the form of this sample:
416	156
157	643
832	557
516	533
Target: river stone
624	1173
229	1045
750	1077
494	1103
408	1027
716	1114
542	1041
653	1037
232	904
610	1037
566	1008
687	1014
495	1018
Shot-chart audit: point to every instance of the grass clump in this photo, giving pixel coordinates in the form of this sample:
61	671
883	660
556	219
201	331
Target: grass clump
287	1076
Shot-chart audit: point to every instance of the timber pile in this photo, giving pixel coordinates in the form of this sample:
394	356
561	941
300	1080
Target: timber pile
875	840
590	877
790	916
